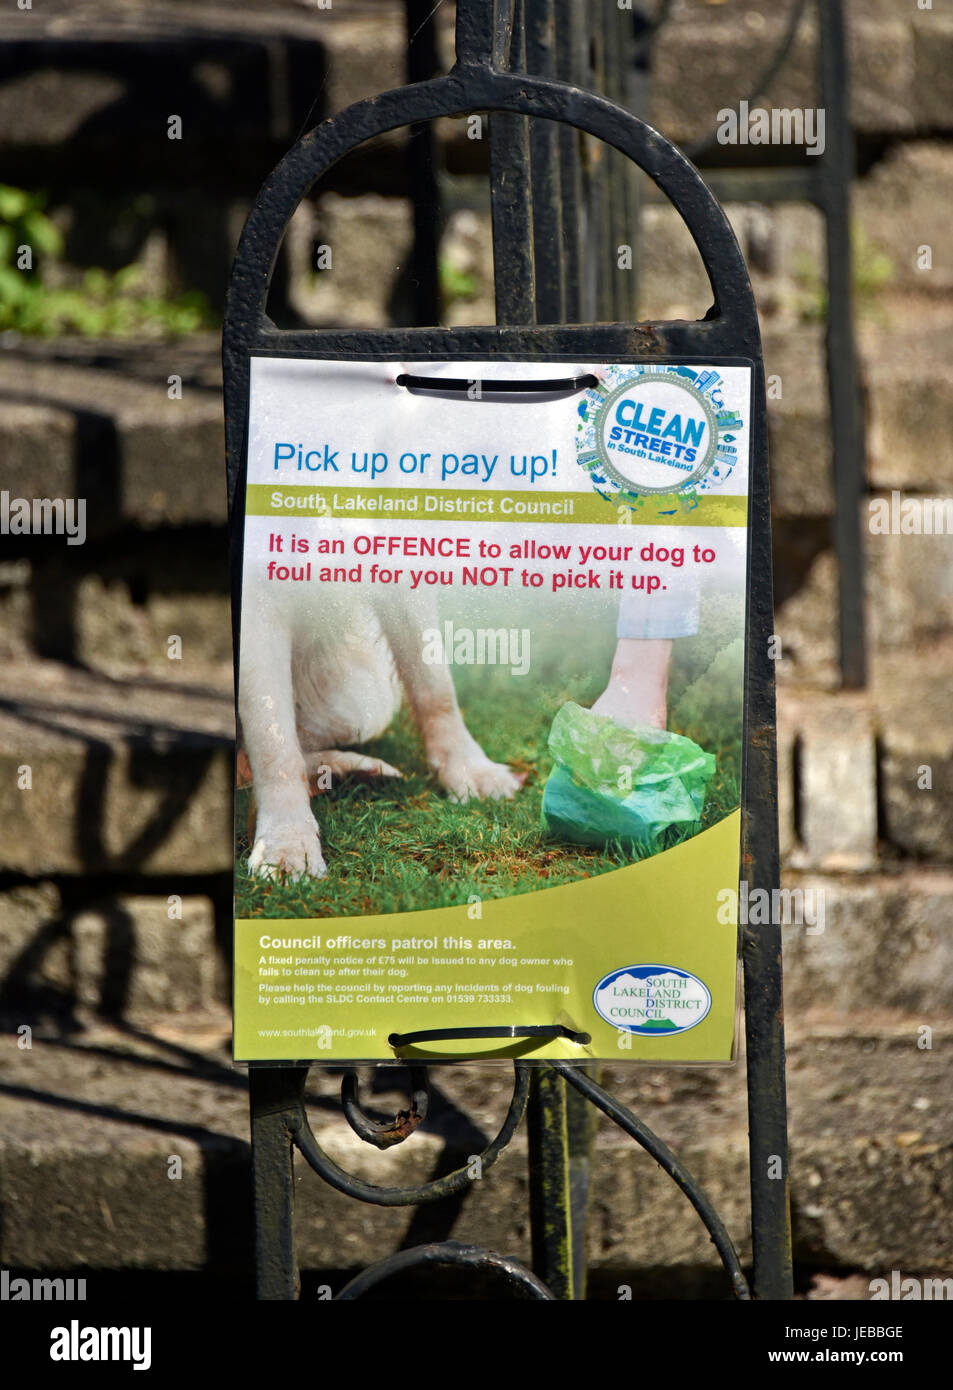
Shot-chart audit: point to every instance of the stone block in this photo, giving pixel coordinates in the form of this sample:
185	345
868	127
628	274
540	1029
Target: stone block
886	944
105	777
370	241
134	454
915	744
910	408
36	958
121	957
837	781
910	584
733	44
806	617
933	66
900	207
135	961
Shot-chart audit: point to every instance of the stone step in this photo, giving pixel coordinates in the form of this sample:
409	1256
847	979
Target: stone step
895	209
882	941
899	266
102	1117
899	66
877	942
234	64
97	421
247	84
868	777
115	777
134	776
101	425
127	956
91	84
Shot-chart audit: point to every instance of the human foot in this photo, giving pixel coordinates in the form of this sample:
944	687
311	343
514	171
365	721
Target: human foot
638	683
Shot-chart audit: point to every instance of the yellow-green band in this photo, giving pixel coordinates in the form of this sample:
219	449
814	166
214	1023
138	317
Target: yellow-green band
462	504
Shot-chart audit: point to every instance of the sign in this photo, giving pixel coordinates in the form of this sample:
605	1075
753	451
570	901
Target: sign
491	697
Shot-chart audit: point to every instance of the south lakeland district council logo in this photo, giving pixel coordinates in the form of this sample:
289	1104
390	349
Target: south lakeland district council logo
652	999
656	430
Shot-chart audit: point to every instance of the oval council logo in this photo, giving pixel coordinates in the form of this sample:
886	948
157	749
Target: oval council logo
652	1000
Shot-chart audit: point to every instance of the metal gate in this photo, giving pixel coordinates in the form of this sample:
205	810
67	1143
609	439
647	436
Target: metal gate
537	193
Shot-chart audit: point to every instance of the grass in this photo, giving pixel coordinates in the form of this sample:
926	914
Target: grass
401	846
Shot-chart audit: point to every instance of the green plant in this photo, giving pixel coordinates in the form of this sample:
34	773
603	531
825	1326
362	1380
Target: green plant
104	304
872	270
454	283
23	223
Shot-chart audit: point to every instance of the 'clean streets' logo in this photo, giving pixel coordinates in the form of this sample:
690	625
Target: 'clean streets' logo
652	430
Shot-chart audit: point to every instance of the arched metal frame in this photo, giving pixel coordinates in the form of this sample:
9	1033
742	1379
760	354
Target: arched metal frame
730	330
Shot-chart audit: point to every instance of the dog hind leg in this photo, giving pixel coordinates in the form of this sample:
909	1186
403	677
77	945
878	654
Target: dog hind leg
328	763
461	765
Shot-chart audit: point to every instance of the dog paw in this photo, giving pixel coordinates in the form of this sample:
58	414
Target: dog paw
287	851
481	781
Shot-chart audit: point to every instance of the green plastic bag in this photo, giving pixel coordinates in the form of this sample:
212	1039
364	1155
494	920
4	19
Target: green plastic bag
614	783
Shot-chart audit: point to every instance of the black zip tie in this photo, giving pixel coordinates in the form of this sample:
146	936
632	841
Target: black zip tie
453	383
534	1030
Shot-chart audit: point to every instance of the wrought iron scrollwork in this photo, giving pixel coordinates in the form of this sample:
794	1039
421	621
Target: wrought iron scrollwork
385	1136
672	1165
448	1252
434	1191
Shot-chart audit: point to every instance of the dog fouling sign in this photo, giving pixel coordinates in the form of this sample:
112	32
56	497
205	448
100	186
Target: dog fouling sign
490	701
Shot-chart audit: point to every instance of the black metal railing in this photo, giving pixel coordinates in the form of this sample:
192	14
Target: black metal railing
824	180
537	186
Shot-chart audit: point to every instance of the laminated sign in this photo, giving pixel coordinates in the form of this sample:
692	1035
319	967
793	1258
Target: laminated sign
490	698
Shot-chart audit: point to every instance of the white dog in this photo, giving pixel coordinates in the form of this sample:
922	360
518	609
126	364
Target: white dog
324	669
